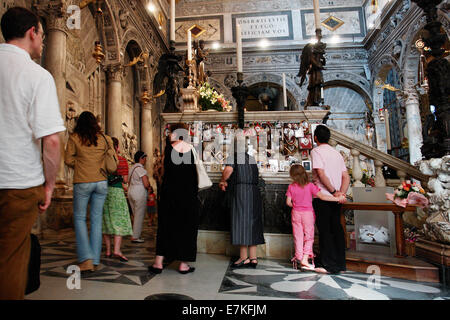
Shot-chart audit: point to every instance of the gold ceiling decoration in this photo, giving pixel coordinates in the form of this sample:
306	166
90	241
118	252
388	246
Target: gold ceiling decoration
332	23
97	3
98	53
379	83
141	58
374	5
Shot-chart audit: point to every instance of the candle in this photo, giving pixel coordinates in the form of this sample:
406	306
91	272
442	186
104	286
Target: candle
189	45
388	133
321	93
172	20
239	48
317	14
284	91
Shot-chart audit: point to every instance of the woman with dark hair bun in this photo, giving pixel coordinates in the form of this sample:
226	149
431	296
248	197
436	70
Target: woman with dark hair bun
178	215
85	153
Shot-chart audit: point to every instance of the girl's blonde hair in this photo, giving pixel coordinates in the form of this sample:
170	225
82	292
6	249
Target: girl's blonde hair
299	175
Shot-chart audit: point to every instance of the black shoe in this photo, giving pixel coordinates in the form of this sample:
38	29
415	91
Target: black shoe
333	271
241	264
120	257
253	263
154	270
191	269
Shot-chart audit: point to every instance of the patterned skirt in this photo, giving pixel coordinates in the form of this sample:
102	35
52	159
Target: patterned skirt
116	217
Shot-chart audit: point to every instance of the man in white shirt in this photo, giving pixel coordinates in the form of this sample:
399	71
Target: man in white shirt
29	116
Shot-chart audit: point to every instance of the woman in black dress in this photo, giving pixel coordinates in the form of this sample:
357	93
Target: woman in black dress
241	175
176	237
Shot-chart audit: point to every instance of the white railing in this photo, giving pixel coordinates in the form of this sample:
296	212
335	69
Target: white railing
380	159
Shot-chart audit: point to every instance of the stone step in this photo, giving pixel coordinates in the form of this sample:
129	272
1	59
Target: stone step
408	268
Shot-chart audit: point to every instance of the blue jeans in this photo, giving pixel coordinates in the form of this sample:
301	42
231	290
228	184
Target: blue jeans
89	247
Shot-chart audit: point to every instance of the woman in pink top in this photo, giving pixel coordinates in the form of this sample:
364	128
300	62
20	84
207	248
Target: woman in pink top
299	195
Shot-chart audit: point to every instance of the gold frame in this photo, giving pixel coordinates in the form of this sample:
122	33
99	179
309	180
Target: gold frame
339	21
198	34
161	19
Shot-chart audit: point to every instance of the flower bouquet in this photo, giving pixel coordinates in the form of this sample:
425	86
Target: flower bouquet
408	193
367	180
210	99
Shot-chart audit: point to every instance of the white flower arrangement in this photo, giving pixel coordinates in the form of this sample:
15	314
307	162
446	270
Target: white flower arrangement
211	99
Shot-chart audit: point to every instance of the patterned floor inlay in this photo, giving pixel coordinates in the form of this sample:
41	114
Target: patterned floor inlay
57	256
278	279
168	296
271	278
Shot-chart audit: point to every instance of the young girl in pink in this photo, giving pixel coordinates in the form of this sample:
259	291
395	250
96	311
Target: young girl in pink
299	195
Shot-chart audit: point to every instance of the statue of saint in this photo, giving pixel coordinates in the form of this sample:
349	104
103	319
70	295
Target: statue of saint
312	62
201	55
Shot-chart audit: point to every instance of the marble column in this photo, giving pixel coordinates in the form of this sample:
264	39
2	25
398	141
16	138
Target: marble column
55	63
114	101
147	135
415	138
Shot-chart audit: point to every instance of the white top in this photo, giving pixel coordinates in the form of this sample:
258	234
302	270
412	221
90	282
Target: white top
136	172
29	111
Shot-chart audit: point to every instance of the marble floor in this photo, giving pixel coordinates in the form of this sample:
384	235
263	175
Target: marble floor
213	279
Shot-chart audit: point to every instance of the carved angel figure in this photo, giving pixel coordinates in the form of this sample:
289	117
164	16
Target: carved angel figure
312	61
166	78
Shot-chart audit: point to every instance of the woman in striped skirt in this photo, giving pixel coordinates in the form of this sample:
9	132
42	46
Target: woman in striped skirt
241	177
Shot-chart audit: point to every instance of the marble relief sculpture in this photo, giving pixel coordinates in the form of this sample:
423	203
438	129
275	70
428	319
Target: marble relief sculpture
126	143
71	121
437	226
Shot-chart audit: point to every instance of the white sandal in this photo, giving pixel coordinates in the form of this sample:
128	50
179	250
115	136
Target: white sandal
309	267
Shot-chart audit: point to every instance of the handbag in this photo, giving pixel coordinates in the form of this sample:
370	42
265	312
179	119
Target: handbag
114	179
204	182
110	156
34	266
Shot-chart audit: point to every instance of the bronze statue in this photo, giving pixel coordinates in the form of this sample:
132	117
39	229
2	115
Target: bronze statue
166	78
312	62
201	55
